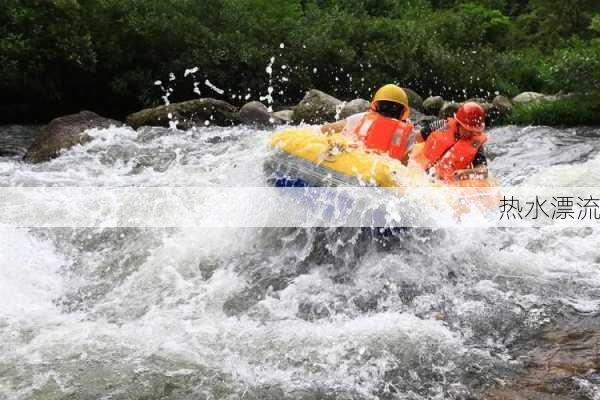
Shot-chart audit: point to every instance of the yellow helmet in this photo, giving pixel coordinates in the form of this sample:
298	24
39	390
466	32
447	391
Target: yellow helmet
393	93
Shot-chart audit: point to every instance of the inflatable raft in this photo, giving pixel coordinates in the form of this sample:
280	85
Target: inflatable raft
305	157
311	158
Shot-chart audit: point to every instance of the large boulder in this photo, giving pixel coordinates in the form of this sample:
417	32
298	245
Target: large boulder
433	104
448	109
63	133
317	107
355	106
187	114
255	113
532	97
414	99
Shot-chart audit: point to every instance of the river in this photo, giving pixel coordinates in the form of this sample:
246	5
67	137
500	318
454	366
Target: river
273	313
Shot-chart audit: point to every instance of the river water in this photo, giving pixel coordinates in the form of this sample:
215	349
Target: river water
270	313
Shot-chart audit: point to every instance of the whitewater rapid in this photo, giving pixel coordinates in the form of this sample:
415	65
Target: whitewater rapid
280	313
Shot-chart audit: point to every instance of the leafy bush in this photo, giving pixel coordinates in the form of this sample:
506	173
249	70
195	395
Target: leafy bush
573	69
575	110
54	53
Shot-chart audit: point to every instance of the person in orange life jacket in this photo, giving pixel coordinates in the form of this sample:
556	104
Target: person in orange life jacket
453	149
383	128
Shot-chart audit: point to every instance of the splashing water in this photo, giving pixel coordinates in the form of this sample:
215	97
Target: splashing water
279	313
213	87
269	96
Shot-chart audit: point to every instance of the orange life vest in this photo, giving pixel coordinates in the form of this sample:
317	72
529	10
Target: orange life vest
446	152
386	135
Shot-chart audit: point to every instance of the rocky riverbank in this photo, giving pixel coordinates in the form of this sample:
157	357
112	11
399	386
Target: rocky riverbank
316	107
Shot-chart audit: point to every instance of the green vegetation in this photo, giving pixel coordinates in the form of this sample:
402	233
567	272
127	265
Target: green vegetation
576	110
58	56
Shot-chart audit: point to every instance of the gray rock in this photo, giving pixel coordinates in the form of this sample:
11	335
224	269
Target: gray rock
530	97
187	114
414	99
255	113
316	108
355	106
433	104
448	109
286	116
502	104
63	133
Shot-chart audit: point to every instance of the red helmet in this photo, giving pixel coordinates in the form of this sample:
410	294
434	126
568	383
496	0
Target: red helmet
471	116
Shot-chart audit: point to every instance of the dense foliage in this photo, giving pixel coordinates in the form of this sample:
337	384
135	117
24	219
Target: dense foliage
58	56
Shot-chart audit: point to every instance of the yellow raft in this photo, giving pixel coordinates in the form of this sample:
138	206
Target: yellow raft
342	155
336	160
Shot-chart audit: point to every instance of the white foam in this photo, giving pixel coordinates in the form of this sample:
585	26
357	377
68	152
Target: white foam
29	275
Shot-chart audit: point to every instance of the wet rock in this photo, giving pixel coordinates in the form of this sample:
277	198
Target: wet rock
448	109
285	116
255	113
566	362
63	133
531	97
355	106
316	108
187	114
501	105
433	104
414	99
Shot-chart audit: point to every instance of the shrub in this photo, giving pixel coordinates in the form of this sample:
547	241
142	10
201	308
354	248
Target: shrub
575	110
